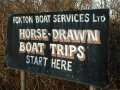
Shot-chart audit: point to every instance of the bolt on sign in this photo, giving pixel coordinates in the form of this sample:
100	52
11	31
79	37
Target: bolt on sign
70	45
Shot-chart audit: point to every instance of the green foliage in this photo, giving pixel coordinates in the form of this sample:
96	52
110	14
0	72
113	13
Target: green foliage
2	74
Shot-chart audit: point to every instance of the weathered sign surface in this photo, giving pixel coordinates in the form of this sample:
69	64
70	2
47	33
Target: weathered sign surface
71	45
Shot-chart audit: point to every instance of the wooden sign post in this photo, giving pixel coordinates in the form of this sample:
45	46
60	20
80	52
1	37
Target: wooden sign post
92	87
22	80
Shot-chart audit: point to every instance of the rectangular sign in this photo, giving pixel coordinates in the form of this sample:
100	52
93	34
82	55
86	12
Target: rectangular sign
70	45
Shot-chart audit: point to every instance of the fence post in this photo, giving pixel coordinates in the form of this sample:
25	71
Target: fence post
22	80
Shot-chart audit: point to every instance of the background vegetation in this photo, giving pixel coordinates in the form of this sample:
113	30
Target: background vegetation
10	79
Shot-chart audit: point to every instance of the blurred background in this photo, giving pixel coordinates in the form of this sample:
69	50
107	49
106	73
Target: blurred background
10	79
